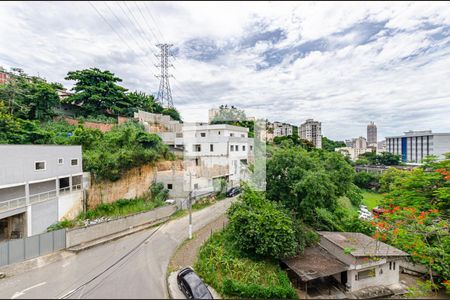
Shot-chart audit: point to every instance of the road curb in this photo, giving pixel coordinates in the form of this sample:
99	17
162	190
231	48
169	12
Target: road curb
34	263
116	236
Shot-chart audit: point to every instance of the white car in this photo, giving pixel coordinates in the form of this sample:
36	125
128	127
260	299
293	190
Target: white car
170	201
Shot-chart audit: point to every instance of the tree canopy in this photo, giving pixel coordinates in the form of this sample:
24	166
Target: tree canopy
330	145
304	181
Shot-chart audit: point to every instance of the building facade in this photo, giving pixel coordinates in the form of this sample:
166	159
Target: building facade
357	146
312	131
210	153
414	146
39	185
372	134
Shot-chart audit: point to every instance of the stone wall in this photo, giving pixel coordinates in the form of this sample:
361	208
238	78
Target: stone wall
133	183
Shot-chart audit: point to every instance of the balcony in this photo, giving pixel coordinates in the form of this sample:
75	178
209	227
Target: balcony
36	198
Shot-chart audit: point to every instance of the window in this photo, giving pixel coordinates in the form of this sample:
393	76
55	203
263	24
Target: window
39	165
219	132
60	161
393	268
211	147
169	186
195	186
366	274
237	147
197	162
74	162
232	148
251	147
203	134
231	134
243	148
242	135
197	148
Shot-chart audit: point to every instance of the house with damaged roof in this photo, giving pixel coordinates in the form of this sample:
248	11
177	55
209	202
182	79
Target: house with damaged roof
354	264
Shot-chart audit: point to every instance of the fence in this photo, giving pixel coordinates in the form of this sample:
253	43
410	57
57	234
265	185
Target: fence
18	250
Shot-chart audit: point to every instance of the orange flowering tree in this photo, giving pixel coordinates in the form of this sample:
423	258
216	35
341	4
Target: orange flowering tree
416	217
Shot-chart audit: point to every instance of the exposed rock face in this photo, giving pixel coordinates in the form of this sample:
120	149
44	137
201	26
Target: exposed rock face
134	183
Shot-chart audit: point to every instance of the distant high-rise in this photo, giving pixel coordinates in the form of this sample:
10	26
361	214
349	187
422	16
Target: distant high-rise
312	131
372	134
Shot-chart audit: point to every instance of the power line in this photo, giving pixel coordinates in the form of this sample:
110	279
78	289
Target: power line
146	23
139	26
153	19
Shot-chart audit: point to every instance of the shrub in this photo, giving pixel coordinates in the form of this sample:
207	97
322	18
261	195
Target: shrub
367	180
232	274
260	227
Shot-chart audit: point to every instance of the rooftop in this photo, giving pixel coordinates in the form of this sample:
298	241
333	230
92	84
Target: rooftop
315	262
360	244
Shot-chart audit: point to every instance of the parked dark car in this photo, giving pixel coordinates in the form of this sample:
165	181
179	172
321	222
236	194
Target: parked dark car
233	191
192	286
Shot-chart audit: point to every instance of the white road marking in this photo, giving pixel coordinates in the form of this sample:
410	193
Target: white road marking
18	294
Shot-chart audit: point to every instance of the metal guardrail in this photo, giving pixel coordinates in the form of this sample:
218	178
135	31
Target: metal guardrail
43	196
13	204
36	198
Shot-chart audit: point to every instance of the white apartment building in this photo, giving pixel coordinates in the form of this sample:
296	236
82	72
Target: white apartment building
213	152
210	153
312	131
39	185
414	146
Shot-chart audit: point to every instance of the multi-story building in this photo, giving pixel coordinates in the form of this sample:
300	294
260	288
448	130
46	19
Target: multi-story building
414	146
372	134
278	129
312	131
213	152
39	185
357	146
210	152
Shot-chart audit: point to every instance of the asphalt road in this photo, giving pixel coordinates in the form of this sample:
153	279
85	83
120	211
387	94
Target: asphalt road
132	267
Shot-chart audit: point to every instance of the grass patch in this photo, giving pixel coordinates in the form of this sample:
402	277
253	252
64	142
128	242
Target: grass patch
234	275
371	199
120	208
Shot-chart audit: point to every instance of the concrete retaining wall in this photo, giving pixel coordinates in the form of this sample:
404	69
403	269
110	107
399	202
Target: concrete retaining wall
79	236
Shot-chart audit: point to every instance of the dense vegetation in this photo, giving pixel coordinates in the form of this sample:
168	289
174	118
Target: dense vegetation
383	159
417	216
330	145
235	275
28	104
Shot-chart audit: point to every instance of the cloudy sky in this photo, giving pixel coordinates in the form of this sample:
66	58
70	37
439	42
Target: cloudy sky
344	64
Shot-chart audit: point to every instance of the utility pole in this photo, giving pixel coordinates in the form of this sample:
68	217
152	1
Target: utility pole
164	92
190	205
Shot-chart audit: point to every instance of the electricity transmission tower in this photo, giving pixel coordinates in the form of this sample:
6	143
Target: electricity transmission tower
164	93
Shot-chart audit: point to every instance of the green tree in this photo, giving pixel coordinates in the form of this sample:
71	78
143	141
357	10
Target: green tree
97	92
260	227
330	145
141	101
366	180
42	99
304	181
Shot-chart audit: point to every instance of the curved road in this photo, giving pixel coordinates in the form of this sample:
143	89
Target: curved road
132	267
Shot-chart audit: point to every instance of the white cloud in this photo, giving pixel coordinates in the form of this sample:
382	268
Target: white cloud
343	63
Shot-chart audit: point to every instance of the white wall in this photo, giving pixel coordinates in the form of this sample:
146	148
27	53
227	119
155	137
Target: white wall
388	277
70	205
